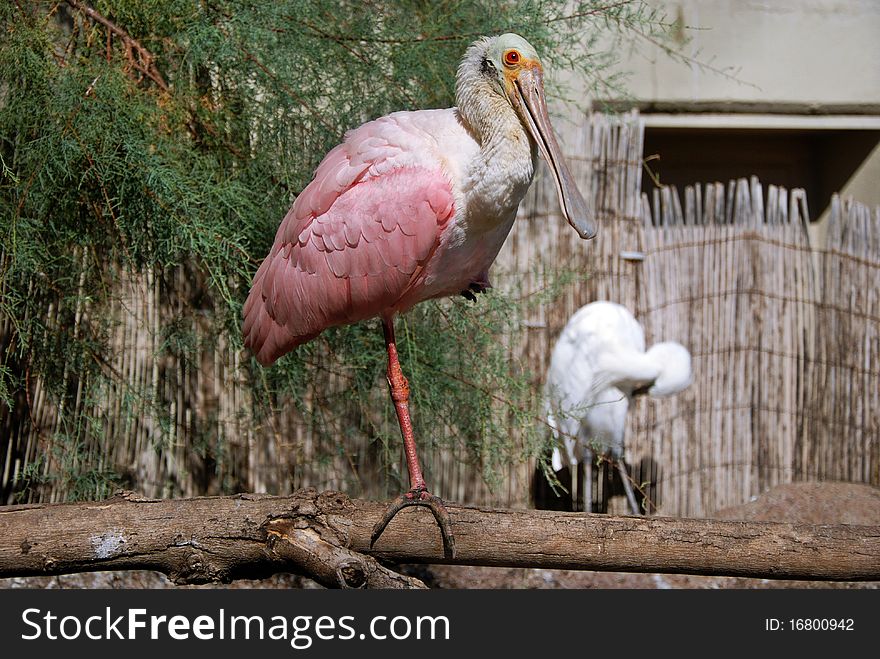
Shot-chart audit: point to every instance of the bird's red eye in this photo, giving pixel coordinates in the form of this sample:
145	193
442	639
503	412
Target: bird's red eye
511	57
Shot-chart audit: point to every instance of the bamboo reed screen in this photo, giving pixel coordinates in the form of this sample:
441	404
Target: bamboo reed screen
735	284
842	415
784	337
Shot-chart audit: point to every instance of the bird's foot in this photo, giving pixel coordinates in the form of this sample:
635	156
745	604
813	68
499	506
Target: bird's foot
419	496
475	287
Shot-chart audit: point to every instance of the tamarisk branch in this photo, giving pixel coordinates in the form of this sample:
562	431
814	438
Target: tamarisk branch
138	57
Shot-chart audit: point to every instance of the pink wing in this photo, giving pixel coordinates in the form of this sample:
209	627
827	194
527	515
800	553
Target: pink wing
350	246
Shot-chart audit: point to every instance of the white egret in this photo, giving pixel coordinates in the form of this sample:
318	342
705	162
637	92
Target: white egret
598	364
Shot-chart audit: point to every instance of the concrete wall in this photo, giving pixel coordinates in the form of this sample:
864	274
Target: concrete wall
770	62
813	52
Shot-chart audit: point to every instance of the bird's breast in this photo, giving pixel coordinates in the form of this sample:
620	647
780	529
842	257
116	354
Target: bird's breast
489	178
487	199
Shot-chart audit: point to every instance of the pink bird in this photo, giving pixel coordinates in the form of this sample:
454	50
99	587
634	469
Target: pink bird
411	206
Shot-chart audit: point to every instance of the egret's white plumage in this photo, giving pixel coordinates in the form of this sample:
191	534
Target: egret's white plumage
599	362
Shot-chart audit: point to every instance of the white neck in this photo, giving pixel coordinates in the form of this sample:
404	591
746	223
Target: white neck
507	159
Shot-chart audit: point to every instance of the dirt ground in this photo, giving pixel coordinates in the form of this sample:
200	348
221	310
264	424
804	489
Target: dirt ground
808	503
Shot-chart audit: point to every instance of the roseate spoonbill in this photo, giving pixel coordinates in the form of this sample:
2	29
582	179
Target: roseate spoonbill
412	206
598	364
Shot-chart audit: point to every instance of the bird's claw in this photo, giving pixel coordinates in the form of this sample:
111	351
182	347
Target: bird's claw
419	497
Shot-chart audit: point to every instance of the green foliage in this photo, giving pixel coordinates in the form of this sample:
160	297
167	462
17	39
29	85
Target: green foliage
111	163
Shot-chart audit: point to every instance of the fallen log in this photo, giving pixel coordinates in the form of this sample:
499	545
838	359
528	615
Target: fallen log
326	536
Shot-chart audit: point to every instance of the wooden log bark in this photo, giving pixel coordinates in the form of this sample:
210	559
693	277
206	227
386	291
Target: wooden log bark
326	536
208	539
328	563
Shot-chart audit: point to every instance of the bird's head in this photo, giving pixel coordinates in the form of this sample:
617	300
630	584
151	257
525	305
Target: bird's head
508	66
674	365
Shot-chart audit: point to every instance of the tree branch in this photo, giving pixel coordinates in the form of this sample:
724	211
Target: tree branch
146	65
326	536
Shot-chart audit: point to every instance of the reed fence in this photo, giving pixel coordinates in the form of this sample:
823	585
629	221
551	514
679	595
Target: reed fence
784	335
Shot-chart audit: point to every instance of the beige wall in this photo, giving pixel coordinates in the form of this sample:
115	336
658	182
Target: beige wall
785	51
794	57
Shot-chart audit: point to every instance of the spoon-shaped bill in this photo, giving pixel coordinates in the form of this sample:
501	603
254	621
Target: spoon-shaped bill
533	108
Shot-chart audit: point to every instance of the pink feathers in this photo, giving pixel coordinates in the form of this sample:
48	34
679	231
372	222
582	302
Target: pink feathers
353	244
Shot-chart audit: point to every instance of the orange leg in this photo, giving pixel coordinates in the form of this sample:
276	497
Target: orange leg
400	395
418	494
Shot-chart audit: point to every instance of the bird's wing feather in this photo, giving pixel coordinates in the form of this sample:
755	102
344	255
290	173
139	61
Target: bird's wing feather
595	350
352	242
